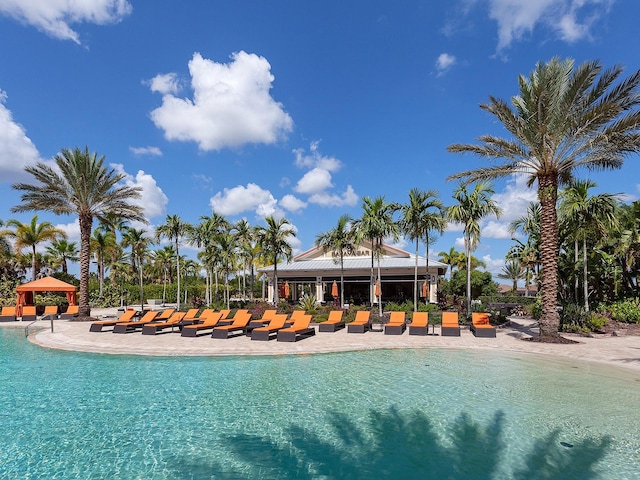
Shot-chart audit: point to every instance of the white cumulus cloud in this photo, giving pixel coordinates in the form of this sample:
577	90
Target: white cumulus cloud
232	201
348	197
292	203
164	83
314	181
152	199
231	105
55	17
16	149
444	62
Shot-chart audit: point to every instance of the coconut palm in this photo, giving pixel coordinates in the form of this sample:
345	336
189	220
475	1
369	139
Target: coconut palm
564	118
202	236
245	235
163	261
274	245
340	241
29	235
63	251
80	185
138	241
471	207
453	258
585	216
174	229
422	215
514	271
375	224
102	245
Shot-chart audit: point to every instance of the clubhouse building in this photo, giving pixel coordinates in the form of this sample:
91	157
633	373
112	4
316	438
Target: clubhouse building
314	272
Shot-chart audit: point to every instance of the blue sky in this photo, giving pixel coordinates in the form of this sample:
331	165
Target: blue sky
289	108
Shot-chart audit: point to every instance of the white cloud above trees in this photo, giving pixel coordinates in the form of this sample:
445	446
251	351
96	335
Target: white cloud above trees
231	105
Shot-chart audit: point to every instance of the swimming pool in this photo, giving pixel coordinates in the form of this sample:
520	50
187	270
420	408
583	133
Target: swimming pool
375	414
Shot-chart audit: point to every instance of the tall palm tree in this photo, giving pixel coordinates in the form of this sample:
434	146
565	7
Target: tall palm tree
138	241
80	185
422	215
202	236
63	251
163	261
586	215
564	118
340	241
375	224
528	252
245	234
226	244
103	245
471	207
274	245
174	229
29	235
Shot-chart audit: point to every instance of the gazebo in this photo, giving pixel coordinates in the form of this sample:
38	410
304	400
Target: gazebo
46	284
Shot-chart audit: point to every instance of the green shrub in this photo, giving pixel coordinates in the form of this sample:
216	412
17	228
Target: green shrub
536	308
597	321
309	304
627	311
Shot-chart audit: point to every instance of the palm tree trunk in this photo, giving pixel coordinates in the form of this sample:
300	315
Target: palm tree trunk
85	222
33	262
380	282
415	282
548	196
467	246
427	277
585	273
178	271
576	283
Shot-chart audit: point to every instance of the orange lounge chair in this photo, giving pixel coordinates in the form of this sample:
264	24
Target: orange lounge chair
480	325
361	323
29	313
99	326
8	314
275	324
155	327
267	315
72	311
212	320
299	330
333	323
239	324
419	323
49	312
396	324
165	315
450	326
191	314
128	327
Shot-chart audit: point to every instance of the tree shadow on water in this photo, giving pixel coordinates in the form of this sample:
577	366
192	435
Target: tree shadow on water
391	444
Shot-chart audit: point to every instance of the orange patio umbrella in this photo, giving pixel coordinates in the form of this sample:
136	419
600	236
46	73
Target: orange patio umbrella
378	289
334	290
287	291
424	289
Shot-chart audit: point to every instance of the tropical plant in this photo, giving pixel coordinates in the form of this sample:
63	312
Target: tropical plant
174	229
62	251
512	270
423	214
469	209
340	241
274	245
138	241
564	118
453	258
80	185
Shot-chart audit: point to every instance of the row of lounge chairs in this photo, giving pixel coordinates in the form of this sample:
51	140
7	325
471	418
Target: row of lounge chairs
9	314
280	326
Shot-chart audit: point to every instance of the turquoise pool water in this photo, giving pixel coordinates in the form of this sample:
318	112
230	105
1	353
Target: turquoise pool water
376	414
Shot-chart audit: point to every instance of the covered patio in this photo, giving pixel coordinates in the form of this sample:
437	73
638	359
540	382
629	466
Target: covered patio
26	291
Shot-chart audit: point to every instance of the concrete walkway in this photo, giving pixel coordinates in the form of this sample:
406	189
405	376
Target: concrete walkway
622	351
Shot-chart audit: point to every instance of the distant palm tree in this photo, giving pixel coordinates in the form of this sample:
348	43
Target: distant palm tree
29	235
174	229
274	245
585	216
103	245
471	207
245	236
564	118
163	260
424	213
82	185
512	270
453	258
340	241
138	241
63	251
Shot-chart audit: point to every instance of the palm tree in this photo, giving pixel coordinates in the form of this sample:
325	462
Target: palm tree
245	234
375	224
163	260
514	271
225	243
527	252
469	210
139	243
565	118
29	235
586	215
202	236
173	229
81	185
340	241
419	217
63	251
274	245
453	258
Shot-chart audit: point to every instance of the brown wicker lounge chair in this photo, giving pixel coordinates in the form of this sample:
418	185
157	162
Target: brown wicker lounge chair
99	326
29	313
450	326
8	314
72	311
361	323
396	324
212	320
266	332
240	322
128	327
419	323
299	330
50	312
480	325
333	323
154	327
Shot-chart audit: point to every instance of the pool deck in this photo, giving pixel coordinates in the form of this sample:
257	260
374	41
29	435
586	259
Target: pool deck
621	350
